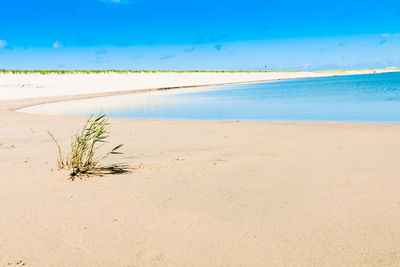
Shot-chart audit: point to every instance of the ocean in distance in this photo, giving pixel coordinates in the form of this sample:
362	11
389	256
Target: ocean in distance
373	98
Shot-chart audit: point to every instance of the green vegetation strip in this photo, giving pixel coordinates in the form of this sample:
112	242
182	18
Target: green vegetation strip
127	71
175	71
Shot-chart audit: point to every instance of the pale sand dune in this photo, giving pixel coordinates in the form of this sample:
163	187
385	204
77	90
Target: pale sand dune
202	194
17	86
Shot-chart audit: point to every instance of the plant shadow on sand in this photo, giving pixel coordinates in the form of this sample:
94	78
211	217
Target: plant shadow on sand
114	169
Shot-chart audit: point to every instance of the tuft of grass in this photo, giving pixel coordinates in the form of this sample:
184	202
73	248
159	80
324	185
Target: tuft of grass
81	159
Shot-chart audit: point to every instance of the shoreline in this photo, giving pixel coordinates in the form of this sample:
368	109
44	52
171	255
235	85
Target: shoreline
33	106
64	98
22	103
7	86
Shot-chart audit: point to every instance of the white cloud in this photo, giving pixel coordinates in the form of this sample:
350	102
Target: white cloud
57	44
390	34
3	43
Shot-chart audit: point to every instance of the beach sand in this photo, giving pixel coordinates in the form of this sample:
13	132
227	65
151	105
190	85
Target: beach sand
24	86
201	193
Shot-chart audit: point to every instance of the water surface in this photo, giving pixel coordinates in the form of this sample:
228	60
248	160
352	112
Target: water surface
356	98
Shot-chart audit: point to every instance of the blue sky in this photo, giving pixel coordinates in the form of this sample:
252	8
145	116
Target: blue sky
236	35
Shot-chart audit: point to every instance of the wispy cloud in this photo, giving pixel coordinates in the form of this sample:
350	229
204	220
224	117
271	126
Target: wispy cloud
189	50
57	44
169	56
3	43
343	43
385	35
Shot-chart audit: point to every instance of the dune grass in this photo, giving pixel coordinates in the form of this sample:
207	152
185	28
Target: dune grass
44	72
81	159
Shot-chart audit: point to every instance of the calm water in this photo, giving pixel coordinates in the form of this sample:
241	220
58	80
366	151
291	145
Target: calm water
357	98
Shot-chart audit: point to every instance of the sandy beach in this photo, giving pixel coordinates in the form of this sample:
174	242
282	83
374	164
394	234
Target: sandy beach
198	193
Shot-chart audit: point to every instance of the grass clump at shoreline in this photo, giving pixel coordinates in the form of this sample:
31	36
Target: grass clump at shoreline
81	159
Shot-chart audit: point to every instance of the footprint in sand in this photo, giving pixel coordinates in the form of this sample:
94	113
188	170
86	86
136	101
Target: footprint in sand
6	147
17	263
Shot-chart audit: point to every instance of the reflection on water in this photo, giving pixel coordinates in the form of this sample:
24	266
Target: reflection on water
358	98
